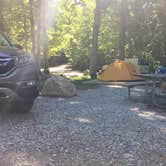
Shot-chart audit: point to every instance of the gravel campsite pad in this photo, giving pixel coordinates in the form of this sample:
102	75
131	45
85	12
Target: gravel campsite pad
99	127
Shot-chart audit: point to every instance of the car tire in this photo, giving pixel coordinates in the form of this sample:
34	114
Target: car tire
22	106
25	103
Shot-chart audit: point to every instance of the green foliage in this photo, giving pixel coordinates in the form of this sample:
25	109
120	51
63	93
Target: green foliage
73	32
147	30
80	78
70	25
84	82
152	61
16	22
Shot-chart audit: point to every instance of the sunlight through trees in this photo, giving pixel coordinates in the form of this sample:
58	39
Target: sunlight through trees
89	37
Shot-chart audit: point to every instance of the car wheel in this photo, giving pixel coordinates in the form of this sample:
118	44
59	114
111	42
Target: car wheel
22	106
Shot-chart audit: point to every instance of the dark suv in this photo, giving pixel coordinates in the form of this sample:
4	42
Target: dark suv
18	77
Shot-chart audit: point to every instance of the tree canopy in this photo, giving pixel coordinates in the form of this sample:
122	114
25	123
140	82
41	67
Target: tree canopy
68	28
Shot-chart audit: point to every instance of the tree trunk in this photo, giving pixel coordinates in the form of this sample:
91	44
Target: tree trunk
96	27
122	36
44	35
1	15
25	34
45	51
31	6
38	36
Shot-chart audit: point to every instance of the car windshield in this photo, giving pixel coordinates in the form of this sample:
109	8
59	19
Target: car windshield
3	41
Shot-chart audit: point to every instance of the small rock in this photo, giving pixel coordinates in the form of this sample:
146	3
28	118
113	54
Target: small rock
51	163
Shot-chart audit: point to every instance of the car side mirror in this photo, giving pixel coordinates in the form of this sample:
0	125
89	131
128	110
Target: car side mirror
17	46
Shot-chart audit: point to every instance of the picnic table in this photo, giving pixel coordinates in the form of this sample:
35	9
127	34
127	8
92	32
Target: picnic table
151	79
127	84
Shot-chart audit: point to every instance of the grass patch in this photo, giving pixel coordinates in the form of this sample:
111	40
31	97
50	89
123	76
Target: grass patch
84	82
80	78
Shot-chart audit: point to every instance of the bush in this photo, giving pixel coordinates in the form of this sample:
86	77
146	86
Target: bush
103	59
80	62
57	60
152	62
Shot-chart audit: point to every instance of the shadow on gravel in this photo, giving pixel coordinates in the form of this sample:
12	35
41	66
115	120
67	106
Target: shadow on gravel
14	117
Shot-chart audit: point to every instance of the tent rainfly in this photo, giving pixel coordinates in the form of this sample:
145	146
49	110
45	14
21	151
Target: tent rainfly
120	71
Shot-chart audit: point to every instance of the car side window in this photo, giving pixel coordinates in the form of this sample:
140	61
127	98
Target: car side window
3	41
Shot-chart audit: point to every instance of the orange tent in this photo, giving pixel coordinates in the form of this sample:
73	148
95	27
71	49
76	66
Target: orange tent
120	71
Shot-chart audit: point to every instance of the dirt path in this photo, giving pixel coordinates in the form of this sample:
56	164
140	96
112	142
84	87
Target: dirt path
64	70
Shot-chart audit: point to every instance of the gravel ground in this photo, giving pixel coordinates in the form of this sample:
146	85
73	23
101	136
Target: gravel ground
99	127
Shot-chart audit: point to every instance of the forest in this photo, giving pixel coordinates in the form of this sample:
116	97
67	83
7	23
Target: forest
87	30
